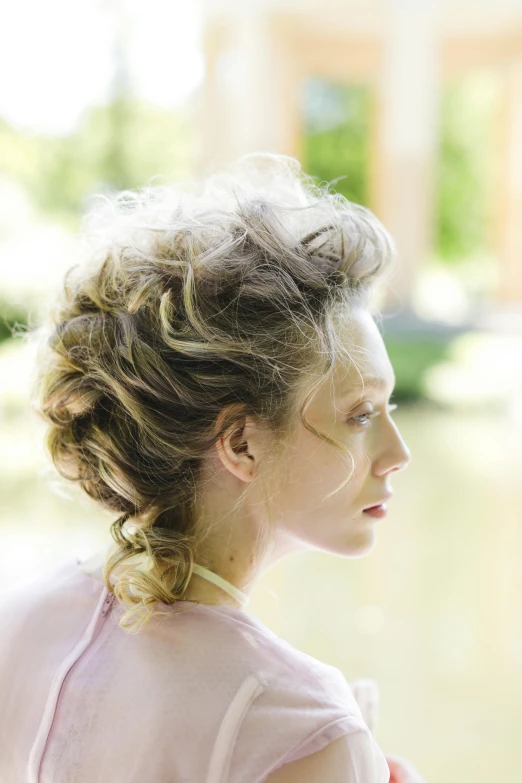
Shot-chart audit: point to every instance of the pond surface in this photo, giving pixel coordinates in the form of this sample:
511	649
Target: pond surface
433	613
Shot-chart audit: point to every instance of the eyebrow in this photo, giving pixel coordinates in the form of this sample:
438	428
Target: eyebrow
369	381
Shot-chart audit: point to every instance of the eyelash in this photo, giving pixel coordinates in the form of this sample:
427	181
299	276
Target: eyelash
353	422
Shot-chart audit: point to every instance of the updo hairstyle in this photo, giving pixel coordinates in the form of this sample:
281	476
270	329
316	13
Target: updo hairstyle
194	304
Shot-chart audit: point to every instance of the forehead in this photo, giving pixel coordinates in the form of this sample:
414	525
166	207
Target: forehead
370	364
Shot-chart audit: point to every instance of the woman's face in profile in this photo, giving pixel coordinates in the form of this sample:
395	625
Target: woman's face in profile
359	418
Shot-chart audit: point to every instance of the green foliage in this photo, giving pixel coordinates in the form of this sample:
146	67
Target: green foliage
411	356
337	135
337	143
13	317
465	168
120	145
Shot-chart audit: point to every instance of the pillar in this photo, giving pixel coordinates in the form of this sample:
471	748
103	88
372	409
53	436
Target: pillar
509	189
251	93
406	140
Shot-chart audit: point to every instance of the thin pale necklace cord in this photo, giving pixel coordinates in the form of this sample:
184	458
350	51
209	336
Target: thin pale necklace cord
228	587
95	562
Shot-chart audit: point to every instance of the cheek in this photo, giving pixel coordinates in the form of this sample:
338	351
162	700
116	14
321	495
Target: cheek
316	469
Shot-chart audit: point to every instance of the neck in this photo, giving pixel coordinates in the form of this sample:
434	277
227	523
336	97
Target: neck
201	588
227	587
209	585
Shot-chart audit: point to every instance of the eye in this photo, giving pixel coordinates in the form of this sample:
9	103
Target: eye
362	421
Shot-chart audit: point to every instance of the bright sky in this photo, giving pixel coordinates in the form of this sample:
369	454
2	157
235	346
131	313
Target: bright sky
56	57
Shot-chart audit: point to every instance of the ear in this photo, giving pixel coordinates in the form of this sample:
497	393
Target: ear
239	449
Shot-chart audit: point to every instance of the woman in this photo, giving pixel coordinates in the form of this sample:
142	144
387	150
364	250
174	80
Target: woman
212	374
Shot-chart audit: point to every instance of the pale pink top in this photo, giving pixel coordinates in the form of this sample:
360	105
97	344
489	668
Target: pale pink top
210	695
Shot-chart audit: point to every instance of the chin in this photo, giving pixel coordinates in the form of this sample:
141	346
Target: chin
362	544
358	545
365	544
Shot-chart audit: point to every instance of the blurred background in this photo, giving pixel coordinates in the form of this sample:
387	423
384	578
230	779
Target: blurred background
414	108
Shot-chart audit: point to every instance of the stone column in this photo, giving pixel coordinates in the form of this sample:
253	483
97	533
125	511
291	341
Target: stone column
509	188
251	94
406	139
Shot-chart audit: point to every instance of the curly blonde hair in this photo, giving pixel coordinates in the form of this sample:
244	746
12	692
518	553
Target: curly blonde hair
223	294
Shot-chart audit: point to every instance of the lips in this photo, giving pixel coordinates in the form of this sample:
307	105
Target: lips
380	502
376	511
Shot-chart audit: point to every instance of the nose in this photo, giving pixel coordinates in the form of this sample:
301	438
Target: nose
406	455
395	454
